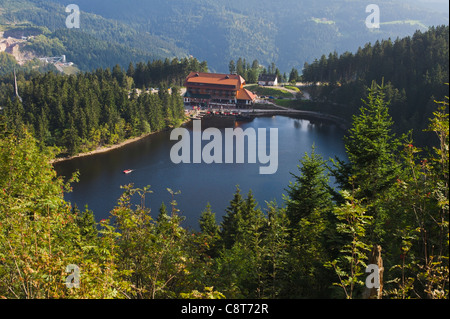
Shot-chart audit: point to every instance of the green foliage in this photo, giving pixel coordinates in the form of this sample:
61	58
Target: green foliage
414	68
250	73
219	31
99	43
310	191
7	63
146	248
210	230
423	267
44	46
299	250
308	208
350	265
275	92
209	293
82	112
40	235
372	150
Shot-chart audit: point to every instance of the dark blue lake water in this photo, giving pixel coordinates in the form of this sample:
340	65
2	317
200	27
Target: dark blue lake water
102	175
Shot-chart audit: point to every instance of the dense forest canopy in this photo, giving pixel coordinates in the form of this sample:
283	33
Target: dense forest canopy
288	34
415	69
82	112
100	43
390	198
393	200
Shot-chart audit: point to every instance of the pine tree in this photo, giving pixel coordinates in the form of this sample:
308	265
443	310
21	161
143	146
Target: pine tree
310	190
210	231
232	67
308	208
208	224
293	76
130	70
230	226
163	215
276	252
86	222
372	150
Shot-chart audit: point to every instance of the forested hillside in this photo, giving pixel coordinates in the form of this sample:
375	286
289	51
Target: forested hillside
287	32
99	43
414	68
393	200
388	203
82	112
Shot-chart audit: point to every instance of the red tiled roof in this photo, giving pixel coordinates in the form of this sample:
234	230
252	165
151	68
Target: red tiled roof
234	80
245	94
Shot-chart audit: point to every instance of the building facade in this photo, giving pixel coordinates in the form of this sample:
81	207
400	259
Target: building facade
215	90
268	80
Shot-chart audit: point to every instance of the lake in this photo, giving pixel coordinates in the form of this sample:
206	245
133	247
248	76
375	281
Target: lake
102	175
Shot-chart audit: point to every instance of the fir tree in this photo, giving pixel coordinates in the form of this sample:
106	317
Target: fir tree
310	190
208	224
230	226
372	149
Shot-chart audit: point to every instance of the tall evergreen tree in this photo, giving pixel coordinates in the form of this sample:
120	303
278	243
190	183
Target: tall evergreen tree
310	190
208	224
372	150
308	207
230	226
210	230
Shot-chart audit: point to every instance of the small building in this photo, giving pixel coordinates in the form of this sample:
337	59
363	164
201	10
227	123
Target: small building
268	80
216	90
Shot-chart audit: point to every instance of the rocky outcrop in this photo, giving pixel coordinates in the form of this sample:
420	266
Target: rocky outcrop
13	46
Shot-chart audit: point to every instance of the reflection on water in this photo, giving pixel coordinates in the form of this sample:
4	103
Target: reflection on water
102	175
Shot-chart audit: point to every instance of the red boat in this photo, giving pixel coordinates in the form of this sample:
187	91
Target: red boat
127	171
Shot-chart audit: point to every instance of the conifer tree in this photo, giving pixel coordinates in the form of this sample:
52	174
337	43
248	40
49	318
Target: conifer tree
308	208
208	224
276	252
373	153
230	226
371	145
310	190
210	230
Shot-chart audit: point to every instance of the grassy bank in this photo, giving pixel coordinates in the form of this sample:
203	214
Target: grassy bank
269	91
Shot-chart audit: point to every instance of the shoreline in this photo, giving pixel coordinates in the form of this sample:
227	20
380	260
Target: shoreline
283	111
104	149
100	150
